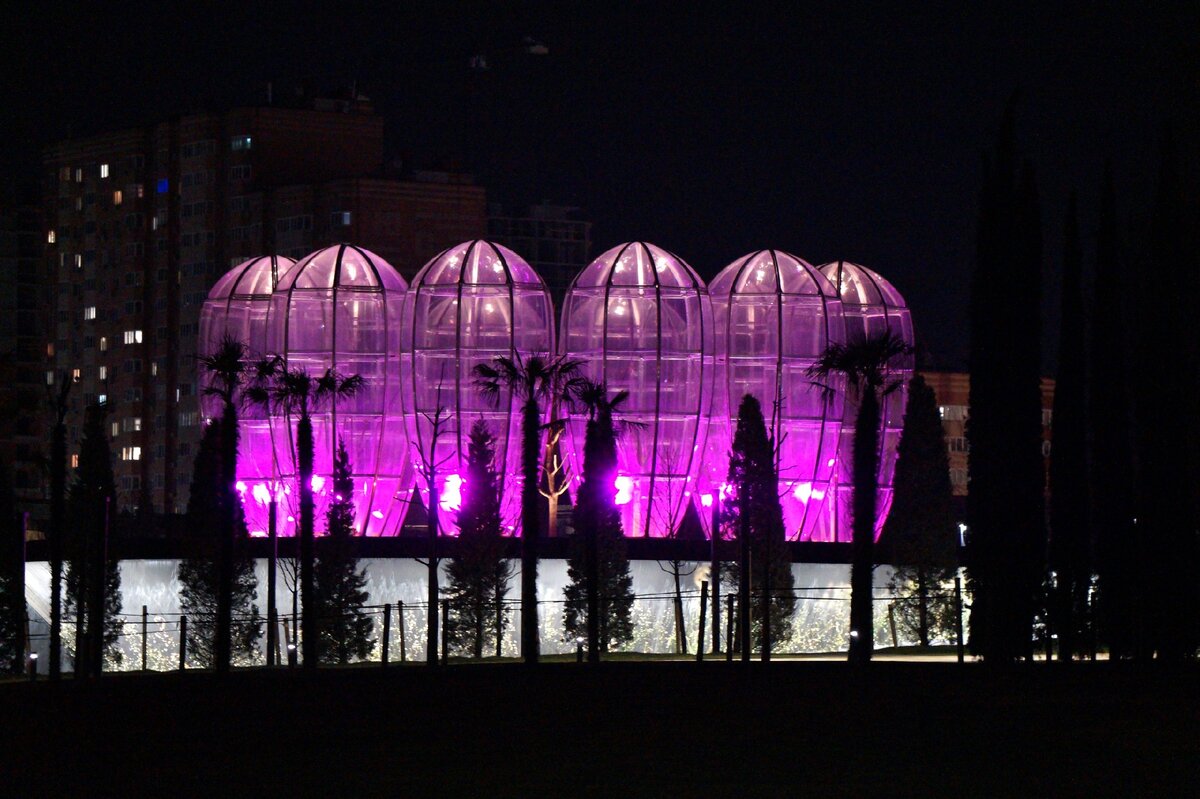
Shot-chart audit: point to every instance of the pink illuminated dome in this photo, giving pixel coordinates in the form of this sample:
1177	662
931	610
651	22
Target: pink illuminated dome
641	320
471	303
775	314
871	306
237	306
340	308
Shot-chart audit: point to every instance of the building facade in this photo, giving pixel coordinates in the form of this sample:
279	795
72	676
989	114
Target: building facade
554	239
140	223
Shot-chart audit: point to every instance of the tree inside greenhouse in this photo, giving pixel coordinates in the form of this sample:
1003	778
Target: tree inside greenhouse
199	578
340	586
753	516
478	575
919	533
93	578
598	557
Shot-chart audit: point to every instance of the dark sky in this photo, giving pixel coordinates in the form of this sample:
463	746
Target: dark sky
851	131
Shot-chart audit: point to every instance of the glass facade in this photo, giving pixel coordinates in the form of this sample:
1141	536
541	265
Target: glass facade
641	320
471	303
872	306
340	308
774	315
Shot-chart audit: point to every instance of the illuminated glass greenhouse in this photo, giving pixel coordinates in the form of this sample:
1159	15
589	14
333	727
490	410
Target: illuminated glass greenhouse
237	307
470	304
641	320
872	306
340	308
774	315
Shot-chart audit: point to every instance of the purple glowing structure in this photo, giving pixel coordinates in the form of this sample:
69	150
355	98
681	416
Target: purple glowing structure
340	308
774	315
872	306
641	320
470	304
237	306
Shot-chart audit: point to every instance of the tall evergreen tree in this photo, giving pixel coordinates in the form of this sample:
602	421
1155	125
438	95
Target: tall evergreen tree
12	579
919	532
599	594
93	576
340	585
1109	425
1166	510
753	516
199	575
1070	551
478	576
1004	508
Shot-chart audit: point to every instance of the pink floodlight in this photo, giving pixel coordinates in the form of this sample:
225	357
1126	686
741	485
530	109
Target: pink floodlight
471	303
340	308
640	319
775	314
872	306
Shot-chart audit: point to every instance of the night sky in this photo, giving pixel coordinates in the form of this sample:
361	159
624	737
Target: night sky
841	132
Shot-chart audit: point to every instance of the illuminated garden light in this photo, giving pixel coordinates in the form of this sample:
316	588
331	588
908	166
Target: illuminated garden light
624	486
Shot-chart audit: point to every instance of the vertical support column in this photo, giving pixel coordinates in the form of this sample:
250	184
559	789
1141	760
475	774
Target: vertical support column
700	629
145	634
400	622
387	634
182	643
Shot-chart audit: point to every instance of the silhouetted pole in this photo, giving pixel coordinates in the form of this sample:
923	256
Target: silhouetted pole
387	634
499	618
700	629
445	632
729	628
400	623
272	559
431	600
145	634
714	574
958	625
182	643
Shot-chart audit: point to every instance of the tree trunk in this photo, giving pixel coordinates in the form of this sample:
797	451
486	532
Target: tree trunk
744	637
866	456
530	632
222	646
714	577
309	622
58	480
681	646
431	580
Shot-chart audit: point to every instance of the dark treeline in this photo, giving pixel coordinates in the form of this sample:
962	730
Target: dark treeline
1111	562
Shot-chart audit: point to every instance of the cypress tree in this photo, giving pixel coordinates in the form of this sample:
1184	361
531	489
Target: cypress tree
919	532
478	576
598	555
1004	508
340	586
93	576
1109	424
753	516
1070	552
199	575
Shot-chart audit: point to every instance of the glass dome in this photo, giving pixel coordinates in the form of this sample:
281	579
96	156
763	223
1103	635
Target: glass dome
871	305
237	306
471	303
774	315
641	320
340	308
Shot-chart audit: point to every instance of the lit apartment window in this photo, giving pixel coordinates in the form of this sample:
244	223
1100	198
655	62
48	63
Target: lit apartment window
138	190
162	186
132	424
78	174
339	218
50	377
101	398
74	460
103	372
50	237
104	170
240	143
104	343
79	260
131	453
118	197
133	337
116	429
75	375
89	312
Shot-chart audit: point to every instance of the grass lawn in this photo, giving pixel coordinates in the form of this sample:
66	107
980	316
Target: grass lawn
623	729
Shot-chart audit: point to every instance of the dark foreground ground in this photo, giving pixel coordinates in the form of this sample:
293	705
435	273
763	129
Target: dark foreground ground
656	729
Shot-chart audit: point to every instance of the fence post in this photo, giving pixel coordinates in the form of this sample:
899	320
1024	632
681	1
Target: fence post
729	628
182	642
700	630
387	633
445	631
145	634
958	628
400	622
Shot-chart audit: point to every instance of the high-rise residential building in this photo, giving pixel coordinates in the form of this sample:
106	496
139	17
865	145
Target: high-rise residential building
552	238
141	222
23	352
